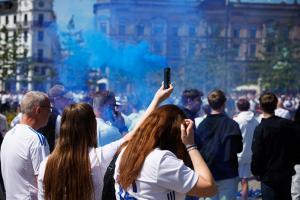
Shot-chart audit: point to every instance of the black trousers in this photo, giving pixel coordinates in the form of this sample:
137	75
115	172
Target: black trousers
278	191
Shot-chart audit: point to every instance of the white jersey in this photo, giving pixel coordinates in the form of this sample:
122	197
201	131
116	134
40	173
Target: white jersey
163	176
281	112
106	133
100	158
247	124
22	151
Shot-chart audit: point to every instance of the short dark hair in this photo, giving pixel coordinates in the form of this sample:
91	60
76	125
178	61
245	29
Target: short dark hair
268	102
243	104
216	99
190	94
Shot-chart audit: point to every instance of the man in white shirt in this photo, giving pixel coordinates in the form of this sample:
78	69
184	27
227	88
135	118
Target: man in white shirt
110	123
281	111
247	124
23	148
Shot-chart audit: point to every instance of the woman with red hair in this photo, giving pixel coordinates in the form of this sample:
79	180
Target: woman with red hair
156	163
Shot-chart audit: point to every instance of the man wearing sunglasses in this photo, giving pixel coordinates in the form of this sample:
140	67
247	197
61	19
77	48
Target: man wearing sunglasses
24	148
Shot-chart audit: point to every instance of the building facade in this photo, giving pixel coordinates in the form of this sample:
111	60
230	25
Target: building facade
33	19
180	29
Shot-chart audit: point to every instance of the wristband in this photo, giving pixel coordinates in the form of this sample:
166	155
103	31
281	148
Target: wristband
191	148
187	147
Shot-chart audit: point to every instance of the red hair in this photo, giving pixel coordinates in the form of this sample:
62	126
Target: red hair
161	129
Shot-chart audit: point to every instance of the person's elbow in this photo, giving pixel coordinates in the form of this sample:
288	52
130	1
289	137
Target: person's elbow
211	189
204	188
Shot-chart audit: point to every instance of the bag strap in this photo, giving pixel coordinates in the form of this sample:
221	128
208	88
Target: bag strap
108	192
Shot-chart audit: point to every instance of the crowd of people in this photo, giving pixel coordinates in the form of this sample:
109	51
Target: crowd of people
58	148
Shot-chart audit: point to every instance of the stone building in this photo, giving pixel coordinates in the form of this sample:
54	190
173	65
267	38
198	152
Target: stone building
180	29
35	19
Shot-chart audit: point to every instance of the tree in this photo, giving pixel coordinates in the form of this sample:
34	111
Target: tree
12	53
279	64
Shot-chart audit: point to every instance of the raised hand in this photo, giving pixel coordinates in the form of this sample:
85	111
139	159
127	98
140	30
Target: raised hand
187	132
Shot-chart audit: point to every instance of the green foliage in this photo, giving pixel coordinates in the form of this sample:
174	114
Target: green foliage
279	66
12	53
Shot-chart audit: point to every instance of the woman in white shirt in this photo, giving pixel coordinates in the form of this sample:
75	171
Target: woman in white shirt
155	162
76	168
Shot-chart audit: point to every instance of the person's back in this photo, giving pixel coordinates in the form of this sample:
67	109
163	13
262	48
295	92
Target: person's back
296	177
76	155
278	158
160	169
23	148
213	138
153	180
17	170
219	139
273	151
247	123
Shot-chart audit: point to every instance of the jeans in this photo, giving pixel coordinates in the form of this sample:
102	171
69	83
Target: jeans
227	189
280	191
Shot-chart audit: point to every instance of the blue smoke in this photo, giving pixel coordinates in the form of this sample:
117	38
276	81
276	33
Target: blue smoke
86	49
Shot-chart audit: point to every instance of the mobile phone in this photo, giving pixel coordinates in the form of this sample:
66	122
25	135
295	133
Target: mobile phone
167	77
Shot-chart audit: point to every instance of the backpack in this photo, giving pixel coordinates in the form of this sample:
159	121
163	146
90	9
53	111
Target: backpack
108	192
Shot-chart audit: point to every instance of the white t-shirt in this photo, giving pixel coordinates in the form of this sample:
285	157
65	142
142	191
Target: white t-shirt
106	133
22	151
100	158
163	176
281	112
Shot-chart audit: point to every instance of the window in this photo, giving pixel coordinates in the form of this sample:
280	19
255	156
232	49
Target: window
215	30
25	36
269	48
158	47
43	71
6	36
174	48
236	48
140	29
174	31
25	19
15	19
236	33
192	49
158	29
40	36
40	19
6	20
271	30
285	32
103	27
41	4
192	31
39	70
252	33
40	55
252	52
122	29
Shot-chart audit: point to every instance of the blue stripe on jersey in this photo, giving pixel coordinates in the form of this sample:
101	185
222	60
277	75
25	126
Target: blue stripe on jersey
124	195
134	188
40	136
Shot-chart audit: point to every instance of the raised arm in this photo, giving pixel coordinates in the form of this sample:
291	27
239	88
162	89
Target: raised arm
205	185
160	95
